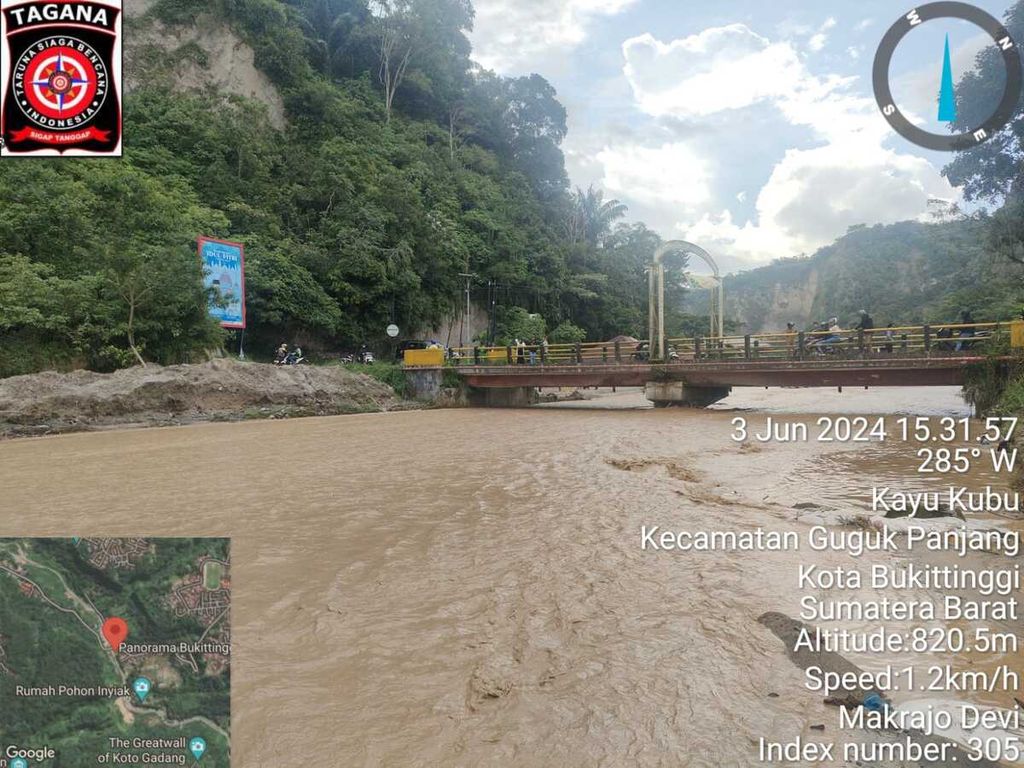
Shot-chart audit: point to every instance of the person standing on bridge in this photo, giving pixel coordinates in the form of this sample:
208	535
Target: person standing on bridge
966	330
865	327
889	335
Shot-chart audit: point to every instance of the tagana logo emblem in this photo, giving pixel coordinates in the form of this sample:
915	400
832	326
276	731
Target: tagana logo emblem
61	78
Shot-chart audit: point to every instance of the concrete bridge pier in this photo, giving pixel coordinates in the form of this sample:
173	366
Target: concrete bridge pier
501	397
424	383
676	393
427	385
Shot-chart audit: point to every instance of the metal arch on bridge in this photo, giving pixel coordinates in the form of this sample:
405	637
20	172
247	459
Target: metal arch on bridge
656	295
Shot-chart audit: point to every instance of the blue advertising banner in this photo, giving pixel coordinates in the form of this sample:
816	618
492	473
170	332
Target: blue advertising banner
224	271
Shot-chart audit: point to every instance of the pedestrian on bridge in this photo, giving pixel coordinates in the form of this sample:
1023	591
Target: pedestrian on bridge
866	322
865	328
967	330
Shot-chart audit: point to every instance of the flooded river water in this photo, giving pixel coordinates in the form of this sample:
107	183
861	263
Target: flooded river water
467	587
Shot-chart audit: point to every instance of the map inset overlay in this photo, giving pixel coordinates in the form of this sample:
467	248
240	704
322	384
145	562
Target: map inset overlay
69	697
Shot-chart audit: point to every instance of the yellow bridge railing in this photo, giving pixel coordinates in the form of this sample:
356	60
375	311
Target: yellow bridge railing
949	339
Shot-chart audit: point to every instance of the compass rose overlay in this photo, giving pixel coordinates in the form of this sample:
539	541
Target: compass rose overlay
1005	44
60	83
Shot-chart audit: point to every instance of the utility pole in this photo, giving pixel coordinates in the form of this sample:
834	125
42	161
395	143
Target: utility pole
462	329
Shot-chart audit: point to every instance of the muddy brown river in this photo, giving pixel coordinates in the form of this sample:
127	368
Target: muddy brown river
467	587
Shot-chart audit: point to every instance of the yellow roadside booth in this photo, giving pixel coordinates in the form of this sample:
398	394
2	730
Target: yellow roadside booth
1017	334
424	358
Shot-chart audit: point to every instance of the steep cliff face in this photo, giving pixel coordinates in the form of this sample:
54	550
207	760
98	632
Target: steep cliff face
459	328
205	55
788	298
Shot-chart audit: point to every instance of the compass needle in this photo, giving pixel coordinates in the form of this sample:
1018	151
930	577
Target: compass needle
947	98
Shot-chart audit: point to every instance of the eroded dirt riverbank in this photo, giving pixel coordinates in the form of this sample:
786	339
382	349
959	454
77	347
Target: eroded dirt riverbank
222	390
467	587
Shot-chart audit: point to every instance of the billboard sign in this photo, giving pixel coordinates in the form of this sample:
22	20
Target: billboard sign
224	272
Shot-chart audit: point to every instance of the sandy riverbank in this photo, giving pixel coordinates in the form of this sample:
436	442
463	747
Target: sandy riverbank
222	390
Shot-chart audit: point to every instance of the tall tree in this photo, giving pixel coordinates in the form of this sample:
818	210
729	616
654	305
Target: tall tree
431	32
992	170
591	216
394	24
328	25
536	125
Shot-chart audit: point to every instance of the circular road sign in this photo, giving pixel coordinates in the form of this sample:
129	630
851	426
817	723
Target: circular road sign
393	331
976	134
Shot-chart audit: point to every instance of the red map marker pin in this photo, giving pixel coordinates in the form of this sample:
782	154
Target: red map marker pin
115	630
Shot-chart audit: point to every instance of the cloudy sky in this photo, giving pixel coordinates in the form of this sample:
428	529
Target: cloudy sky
746	126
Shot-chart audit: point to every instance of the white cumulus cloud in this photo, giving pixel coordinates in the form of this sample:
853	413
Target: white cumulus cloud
669	175
732	67
515	36
846	175
720	68
820	38
815	195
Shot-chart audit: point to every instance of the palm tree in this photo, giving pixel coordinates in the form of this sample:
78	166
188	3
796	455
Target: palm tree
592	217
327	25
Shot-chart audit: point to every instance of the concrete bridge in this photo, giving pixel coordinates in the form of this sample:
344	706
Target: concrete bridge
698	372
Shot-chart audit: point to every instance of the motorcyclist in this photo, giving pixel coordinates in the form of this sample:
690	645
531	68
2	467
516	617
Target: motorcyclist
827	335
282	355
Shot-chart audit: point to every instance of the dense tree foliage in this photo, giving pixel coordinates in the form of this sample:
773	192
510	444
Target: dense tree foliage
95	266
993	170
402	166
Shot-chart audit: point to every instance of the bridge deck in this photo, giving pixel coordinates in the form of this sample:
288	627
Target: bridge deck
877	372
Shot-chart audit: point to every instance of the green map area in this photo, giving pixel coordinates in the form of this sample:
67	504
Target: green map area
68	698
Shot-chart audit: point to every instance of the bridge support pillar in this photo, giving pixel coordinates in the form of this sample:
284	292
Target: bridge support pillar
501	397
667	393
424	383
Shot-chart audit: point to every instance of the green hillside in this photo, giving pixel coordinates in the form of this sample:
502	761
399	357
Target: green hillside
389	180
904	273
